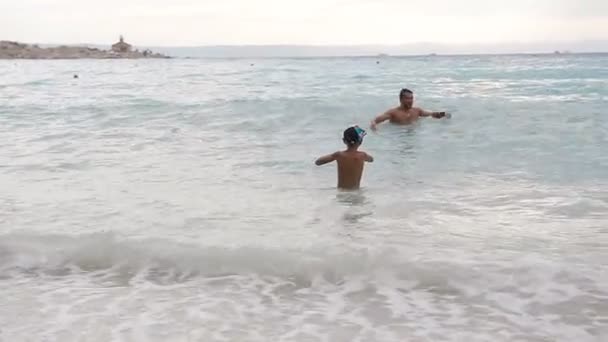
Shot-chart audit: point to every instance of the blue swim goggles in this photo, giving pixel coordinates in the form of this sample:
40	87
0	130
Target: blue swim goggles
360	132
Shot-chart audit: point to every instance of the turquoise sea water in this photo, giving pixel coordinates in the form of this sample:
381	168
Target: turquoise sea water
177	200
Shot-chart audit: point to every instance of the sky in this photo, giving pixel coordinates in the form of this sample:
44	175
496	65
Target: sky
314	22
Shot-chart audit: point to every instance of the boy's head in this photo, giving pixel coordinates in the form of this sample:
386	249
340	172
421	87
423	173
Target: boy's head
353	136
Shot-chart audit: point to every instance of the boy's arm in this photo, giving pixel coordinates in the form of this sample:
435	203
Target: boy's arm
369	158
326	159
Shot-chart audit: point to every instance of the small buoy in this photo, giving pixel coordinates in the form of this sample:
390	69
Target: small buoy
75	76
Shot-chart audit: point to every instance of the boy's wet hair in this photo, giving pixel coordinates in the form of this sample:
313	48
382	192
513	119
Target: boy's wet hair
353	135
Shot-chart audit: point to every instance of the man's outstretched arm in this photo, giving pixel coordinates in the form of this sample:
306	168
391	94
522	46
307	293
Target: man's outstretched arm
436	115
380	119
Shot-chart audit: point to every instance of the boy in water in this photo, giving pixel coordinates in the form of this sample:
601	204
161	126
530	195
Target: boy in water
350	161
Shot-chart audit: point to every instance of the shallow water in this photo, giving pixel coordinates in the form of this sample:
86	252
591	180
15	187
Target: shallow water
177	200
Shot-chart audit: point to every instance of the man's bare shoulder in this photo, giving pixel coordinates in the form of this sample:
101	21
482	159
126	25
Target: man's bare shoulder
394	111
418	110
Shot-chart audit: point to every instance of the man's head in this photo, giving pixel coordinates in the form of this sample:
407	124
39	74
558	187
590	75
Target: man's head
353	136
406	98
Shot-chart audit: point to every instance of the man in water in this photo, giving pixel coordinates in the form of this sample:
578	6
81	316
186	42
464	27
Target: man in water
351	161
405	114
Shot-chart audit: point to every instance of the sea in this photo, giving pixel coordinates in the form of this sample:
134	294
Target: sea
178	200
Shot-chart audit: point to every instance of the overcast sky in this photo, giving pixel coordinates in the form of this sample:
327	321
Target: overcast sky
204	22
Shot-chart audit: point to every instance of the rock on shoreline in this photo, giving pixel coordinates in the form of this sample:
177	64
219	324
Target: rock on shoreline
16	50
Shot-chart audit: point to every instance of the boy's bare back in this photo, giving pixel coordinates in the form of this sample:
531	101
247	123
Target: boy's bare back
350	168
350	161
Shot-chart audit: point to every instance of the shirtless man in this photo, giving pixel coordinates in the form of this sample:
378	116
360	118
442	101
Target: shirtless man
350	162
405	114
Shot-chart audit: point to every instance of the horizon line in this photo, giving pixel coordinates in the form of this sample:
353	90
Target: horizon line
340	45
419	49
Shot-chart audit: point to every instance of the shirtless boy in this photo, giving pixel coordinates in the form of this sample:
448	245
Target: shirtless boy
350	161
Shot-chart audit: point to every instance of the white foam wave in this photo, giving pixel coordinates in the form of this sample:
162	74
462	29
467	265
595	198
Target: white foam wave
61	254
154	290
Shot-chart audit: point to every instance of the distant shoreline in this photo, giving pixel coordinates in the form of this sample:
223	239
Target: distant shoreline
17	50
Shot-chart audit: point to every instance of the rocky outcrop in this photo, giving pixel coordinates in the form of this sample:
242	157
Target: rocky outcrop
16	50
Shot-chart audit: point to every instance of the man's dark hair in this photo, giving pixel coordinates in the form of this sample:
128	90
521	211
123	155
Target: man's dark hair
405	91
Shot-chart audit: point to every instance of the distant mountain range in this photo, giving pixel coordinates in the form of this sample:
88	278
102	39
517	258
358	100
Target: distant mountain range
259	51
